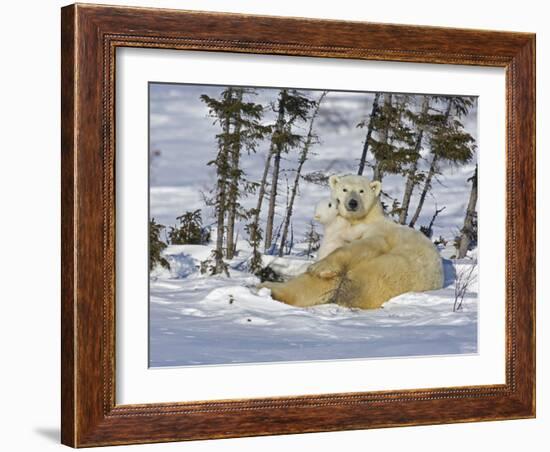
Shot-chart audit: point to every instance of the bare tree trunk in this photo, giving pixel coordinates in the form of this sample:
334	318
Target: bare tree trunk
233	192
373	114
291	245
431	172
263	183
309	246
428	230
432	221
272	199
425	189
219	235
409	187
378	169
468	229
303	157
276	152
411	173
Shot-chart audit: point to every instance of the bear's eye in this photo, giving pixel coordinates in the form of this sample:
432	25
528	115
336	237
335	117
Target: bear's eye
329	204
361	191
344	190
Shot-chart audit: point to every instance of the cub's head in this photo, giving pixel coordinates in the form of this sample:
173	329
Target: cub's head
356	195
326	211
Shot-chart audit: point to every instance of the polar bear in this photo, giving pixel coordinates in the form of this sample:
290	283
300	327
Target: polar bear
388	260
337	230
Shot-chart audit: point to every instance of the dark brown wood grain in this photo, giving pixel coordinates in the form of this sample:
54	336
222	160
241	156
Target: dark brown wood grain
68	310
90	36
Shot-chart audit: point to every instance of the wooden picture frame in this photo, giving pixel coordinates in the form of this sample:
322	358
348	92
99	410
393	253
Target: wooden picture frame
90	36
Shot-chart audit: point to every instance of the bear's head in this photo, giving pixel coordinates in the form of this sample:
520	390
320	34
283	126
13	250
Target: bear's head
356	195
326	211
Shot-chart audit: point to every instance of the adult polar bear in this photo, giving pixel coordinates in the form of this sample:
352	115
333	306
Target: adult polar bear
389	259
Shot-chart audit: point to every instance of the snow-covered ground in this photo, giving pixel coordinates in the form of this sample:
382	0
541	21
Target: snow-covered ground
195	319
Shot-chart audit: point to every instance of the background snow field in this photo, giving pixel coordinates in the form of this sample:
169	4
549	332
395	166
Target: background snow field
200	319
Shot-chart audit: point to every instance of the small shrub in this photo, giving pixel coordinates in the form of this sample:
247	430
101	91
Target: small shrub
156	245
312	239
268	274
189	231
214	265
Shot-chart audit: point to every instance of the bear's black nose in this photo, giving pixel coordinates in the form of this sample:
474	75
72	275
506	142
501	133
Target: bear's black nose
353	204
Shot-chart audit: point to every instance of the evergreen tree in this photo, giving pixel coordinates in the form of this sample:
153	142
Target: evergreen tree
309	141
393	142
449	142
254	240
380	148
292	106
156	245
235	174
395	146
241	130
221	111
189	231
246	134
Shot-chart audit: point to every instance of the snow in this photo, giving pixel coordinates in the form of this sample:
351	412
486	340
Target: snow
201	320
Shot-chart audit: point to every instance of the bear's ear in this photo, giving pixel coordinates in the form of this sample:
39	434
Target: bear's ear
332	181
376	187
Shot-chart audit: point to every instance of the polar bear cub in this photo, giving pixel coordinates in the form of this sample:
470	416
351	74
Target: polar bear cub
337	230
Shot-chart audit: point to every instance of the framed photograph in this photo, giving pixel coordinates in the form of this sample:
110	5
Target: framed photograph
281	225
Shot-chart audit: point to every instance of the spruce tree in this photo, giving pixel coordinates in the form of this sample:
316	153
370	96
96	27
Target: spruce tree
241	126
221	111
449	142
304	154
189	230
292	106
156	245
389	137
247	131
380	147
394	145
254	240
235	174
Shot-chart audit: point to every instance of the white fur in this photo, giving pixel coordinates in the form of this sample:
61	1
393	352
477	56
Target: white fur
337	230
388	260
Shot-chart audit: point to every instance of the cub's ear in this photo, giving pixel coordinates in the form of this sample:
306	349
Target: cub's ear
376	187
333	180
